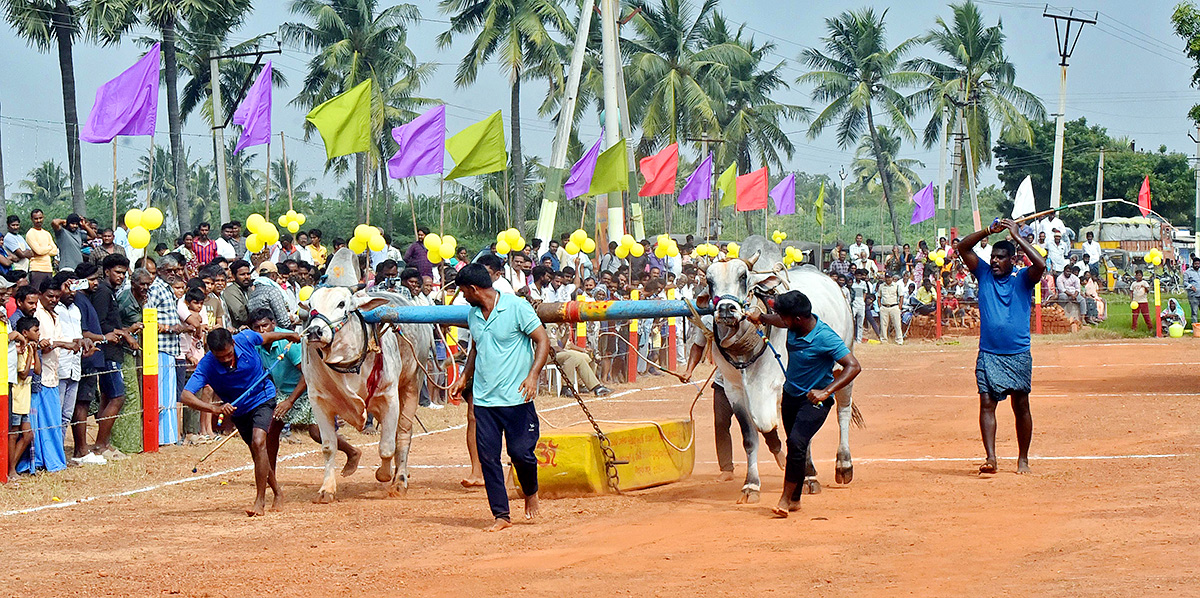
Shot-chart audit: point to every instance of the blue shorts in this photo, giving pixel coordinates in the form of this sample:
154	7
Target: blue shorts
112	383
998	376
16	419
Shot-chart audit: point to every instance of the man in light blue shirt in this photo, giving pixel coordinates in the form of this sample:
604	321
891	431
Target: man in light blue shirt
510	348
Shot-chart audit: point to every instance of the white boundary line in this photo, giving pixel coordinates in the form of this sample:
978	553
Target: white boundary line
247	467
959	459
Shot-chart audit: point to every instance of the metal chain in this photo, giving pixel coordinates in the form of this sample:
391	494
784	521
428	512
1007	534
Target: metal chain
610	458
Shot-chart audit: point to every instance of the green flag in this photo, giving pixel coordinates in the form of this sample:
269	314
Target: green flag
612	173
345	121
479	148
820	206
727	183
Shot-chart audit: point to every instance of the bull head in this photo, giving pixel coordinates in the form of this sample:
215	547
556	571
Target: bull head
729	286
331	307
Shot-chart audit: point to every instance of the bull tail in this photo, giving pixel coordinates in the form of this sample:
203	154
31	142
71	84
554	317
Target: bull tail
856	416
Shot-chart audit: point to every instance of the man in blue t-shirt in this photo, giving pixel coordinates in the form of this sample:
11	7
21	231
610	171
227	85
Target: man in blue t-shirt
509	349
1005	365
234	370
809	383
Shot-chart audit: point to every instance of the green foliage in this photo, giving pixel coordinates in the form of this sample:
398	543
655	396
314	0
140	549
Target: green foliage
1172	180
1186	21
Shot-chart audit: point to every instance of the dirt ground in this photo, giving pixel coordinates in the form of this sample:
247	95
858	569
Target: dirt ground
1110	509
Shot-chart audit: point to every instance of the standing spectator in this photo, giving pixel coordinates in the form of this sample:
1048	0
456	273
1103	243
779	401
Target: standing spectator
108	246
18	250
285	250
495	266
890	297
46	414
894	263
103	299
22	370
304	255
1056	253
171	366
859	250
638	265
983	251
417	256
227	242
1093	252
71	234
91	361
41	242
121	237
1191	282
268	294
841	266
237	294
204	248
609	262
1140	290
318	252
858	305
552	255
70	332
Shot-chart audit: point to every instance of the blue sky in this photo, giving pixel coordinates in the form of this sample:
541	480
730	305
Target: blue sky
1128	74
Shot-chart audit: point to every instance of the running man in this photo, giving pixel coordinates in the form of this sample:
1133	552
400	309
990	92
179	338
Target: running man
234	369
502	371
1005	365
809	383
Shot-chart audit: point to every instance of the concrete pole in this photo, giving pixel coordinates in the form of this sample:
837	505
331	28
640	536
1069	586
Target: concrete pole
1059	126
566	120
702	204
942	161
609	209
1099	211
842	204
219	137
1195	229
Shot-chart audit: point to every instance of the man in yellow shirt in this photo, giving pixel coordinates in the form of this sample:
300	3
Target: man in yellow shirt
318	251
42	243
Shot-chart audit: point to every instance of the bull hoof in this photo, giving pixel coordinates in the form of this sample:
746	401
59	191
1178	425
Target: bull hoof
384	473
397	491
324	497
811	486
844	475
748	497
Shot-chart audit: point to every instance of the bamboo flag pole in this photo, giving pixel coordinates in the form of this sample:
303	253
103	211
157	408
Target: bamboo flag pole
442	203
267	198
114	145
412	206
150	173
287	174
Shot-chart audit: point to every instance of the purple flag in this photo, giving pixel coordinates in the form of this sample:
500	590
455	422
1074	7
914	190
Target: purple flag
699	184
422	145
126	105
581	173
254	114
924	208
784	195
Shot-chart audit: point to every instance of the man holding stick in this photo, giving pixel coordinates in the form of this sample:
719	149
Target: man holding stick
235	371
1005	365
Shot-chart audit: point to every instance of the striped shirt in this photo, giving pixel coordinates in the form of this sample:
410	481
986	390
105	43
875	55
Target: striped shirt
162	298
206	251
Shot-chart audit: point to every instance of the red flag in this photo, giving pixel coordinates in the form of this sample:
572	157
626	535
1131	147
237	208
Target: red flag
752	191
660	171
1144	197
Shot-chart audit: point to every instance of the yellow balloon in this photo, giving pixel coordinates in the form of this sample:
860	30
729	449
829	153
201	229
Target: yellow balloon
732	250
432	242
133	218
446	250
377	243
268	233
622	252
660	251
579	236
152	218
589	245
572	248
514	237
1042	250
1133	305
637	250
673	250
254	243
448	240
357	245
937	259
291	214
502	247
434	255
255	221
519	244
628	240
300	218
304	293
293	227
139	237
283	221
364	232
1157	261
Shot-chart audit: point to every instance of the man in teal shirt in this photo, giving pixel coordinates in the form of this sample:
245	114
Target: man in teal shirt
291	392
510	348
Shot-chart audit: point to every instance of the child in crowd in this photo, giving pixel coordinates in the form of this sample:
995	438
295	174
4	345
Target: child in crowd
23	361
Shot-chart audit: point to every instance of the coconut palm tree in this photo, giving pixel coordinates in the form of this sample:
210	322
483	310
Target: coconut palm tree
245	184
676	75
518	34
979	79
354	40
48	184
857	74
57	25
900	170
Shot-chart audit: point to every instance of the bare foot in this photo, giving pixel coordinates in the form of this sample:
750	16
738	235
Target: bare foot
499	525
1023	466
779	513
988	466
351	463
472	482
725	476
256	510
781	459
277	502
531	507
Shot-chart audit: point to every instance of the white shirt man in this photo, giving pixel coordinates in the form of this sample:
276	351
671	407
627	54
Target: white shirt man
859	250
1056	252
984	251
1092	249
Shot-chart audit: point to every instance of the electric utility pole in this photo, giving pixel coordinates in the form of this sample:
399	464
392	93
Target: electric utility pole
842	205
220	121
1066	46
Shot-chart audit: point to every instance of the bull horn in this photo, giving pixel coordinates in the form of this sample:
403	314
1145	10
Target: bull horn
754	258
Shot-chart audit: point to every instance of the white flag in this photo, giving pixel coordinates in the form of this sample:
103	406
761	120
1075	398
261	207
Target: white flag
1023	204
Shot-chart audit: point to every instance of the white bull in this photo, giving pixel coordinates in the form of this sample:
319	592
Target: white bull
353	369
755	390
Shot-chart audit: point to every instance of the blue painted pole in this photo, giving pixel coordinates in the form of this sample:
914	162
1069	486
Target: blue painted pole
571	311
